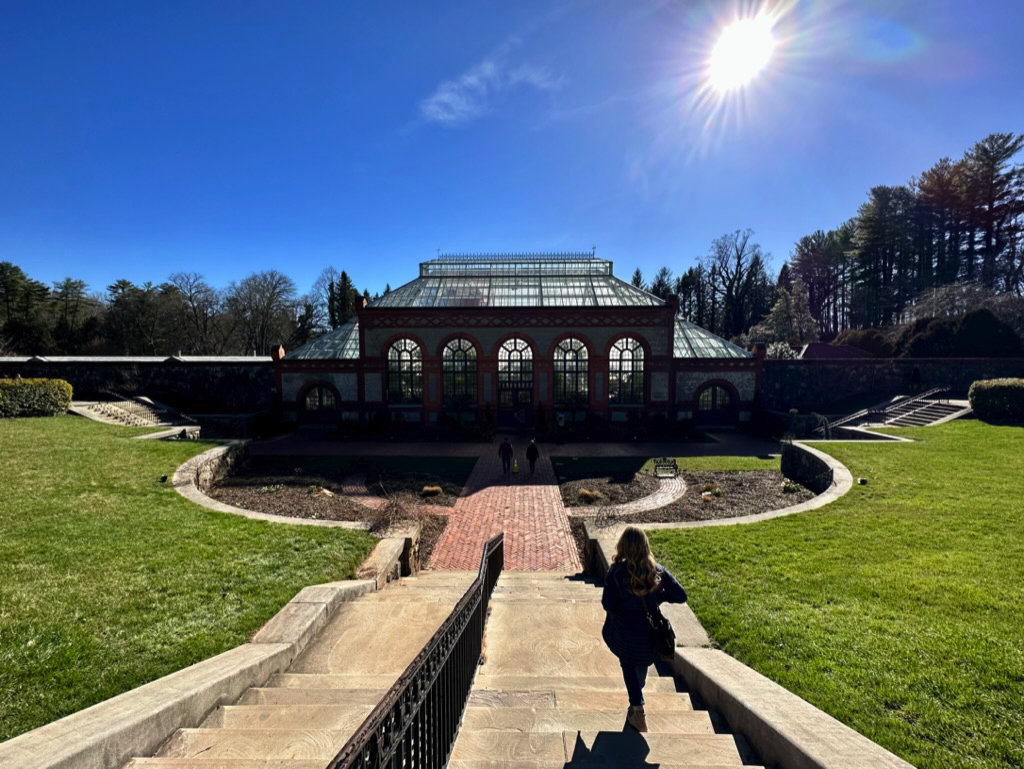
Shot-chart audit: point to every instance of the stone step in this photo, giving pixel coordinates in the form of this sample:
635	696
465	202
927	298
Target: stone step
351	641
674	702
256	743
330	717
259	695
200	762
379	682
560	719
614	748
655	683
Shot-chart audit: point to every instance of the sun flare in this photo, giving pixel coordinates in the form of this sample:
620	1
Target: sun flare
743	49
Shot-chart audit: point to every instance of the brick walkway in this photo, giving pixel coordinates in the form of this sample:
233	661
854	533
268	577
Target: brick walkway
669	490
529	511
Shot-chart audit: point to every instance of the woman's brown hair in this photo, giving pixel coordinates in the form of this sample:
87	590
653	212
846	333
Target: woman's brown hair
634	551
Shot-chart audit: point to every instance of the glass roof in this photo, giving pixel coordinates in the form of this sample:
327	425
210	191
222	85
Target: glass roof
692	341
341	343
526	280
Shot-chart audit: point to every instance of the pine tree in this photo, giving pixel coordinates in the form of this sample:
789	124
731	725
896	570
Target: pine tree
638	279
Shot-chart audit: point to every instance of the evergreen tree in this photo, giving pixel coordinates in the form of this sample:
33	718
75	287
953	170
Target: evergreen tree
662	286
638	279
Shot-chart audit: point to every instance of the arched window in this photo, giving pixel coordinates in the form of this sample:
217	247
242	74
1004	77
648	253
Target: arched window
515	365
319	398
458	371
405	372
714	398
570	372
626	372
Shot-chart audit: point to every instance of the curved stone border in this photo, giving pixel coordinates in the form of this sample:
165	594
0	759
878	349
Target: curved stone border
669	490
196	475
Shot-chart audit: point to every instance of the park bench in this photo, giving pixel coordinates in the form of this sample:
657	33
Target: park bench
666	468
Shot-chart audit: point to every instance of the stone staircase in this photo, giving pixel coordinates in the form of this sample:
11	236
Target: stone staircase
550	694
927	412
301	718
134	412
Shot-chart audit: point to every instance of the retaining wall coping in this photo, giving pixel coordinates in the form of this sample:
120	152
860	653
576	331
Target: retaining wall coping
137	722
783	728
185	484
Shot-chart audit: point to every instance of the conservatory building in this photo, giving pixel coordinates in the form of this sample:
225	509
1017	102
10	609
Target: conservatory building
514	341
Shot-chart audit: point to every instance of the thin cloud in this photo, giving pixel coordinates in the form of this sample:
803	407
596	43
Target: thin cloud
470	95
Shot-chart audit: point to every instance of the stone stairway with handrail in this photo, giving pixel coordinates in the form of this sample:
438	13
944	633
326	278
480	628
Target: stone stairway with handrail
301	718
550	695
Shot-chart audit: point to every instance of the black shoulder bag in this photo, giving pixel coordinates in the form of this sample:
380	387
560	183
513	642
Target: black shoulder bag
663	637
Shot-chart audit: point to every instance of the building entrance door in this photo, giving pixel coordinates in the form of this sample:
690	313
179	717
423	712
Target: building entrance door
515	409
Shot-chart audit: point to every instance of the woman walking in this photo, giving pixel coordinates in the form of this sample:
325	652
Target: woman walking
635	586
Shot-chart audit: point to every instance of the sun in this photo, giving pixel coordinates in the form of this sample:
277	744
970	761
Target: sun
744	49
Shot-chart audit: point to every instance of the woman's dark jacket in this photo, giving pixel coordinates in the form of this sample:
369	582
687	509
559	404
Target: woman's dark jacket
626	629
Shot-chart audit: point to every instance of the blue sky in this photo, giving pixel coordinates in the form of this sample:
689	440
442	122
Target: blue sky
145	138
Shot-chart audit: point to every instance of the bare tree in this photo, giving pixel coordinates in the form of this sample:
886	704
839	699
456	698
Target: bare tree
736	267
263	305
203	323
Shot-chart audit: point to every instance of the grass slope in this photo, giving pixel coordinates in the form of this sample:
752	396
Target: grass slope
110	579
899	608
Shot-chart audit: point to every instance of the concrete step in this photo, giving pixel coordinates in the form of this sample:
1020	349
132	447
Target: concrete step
255	743
655	683
199	762
560	719
379	682
618	748
578	700
330	717
259	695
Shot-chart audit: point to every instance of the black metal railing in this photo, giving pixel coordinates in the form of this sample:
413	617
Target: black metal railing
417	721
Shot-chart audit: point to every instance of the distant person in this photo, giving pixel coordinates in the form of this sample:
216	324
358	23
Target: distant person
505	452
532	455
635	586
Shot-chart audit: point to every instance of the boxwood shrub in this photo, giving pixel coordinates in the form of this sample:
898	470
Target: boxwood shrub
998	400
34	397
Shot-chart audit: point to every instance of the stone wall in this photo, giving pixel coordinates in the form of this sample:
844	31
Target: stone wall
232	385
811	385
805	468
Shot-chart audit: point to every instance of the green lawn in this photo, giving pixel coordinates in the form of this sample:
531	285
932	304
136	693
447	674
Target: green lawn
623	468
109	579
898	609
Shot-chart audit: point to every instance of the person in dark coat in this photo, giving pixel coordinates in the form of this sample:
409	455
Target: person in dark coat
532	454
636	584
505	452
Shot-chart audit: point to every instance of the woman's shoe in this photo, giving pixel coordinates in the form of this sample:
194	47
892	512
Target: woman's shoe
637	718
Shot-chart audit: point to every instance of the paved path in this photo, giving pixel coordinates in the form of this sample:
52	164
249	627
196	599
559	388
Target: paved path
354	487
669	490
528	509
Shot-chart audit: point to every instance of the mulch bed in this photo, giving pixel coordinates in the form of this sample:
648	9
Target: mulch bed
743	492
413	483
611	490
289	496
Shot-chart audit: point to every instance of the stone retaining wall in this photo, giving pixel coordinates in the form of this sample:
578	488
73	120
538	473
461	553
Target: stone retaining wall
809	385
805	467
228	385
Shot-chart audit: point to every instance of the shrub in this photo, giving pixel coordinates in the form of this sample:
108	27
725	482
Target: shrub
589	497
998	400
868	339
34	397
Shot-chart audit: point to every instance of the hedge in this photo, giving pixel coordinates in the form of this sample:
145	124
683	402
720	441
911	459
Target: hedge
34	397
998	400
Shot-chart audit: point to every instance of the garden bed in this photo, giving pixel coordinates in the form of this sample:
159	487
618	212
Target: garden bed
607	490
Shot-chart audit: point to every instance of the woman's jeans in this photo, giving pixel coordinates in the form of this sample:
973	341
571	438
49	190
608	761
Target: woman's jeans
635	677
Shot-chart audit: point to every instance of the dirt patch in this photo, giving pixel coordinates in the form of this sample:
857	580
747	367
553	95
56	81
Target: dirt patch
404	509
607	490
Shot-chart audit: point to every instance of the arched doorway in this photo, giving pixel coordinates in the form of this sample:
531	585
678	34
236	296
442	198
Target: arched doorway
515	384
716	407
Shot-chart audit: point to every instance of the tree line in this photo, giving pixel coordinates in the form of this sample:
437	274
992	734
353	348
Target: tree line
957	230
183	315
